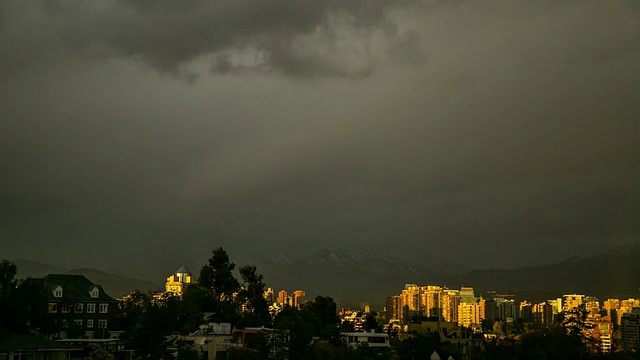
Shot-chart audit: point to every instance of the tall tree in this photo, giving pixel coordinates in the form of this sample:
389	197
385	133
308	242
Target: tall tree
11	311
155	319
8	282
323	315
217	276
252	294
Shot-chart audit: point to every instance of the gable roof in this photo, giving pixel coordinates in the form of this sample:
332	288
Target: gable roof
74	287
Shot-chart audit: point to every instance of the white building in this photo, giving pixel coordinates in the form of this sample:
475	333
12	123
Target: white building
372	339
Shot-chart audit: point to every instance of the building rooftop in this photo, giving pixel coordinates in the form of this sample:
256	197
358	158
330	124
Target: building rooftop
74	287
183	270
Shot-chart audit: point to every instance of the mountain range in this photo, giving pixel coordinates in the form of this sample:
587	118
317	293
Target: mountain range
358	276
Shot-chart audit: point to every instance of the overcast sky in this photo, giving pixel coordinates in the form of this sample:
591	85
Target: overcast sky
140	135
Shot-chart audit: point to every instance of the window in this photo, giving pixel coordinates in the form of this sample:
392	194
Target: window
57	292
94	292
53	307
102	323
104	308
376	340
91	308
90	323
77	322
78	308
65	309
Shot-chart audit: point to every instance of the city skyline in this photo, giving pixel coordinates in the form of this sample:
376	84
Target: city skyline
134	136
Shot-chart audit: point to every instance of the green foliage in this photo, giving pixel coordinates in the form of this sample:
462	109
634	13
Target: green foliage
187	352
419	346
317	318
194	303
96	352
322	314
301	331
10	316
8	282
252	295
217	276
371	323
550	343
153	321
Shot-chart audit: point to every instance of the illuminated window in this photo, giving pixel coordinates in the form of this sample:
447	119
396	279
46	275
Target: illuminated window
53	307
94	292
57	292
104	308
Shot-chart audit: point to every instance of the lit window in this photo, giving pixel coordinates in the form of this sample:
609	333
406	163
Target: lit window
102	324
91	308
65	309
90	323
53	307
78	308
104	308
94	292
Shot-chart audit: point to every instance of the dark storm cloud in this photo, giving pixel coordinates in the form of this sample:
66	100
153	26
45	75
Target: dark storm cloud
516	141
307	38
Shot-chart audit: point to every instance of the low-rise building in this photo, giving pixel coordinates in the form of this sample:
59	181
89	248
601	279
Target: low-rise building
75	306
372	339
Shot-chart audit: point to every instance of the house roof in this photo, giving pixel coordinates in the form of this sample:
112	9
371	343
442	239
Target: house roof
183	270
28	342
74	287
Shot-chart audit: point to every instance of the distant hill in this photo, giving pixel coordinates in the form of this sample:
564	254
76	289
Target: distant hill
30	268
114	285
352	276
357	276
612	274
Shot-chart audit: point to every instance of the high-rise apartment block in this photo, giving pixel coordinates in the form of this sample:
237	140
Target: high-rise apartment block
630	332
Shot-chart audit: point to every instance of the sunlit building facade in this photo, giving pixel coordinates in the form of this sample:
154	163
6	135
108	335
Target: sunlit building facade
178	280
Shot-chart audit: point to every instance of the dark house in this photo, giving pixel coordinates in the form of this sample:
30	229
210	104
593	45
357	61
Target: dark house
74	306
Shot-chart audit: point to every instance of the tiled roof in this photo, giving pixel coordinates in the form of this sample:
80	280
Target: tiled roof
74	287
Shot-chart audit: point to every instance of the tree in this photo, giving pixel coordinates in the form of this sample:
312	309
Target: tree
322	314
97	352
252	295
300	329
12	311
8	283
370	322
155	319
217	276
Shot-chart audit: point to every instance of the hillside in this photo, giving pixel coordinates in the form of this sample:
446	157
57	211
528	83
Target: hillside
352	276
359	276
611	274
114	285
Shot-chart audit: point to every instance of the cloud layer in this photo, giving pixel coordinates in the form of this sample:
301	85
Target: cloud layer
496	134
